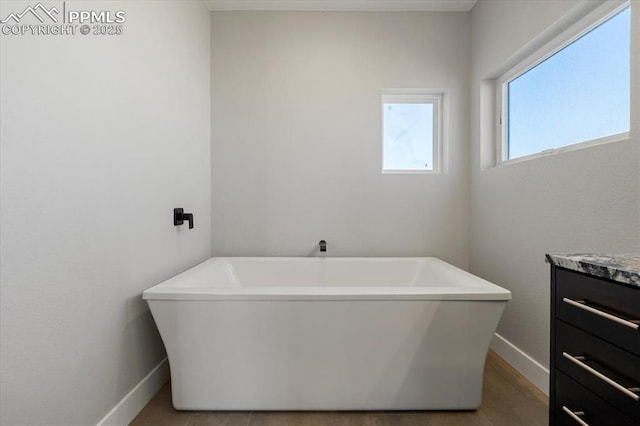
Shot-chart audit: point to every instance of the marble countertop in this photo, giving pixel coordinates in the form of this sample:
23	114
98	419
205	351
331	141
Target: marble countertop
624	268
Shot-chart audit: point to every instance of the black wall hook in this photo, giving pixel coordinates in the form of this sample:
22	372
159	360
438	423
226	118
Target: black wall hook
179	216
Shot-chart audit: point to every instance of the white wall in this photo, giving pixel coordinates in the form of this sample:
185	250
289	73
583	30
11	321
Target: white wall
580	201
296	134
101	138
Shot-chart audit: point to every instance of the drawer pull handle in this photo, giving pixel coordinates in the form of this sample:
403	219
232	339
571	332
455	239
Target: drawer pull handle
581	304
575	415
578	361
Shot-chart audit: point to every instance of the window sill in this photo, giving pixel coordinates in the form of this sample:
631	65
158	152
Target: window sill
410	172
581	145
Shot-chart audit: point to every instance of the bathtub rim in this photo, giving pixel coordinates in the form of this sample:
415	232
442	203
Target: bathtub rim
487	291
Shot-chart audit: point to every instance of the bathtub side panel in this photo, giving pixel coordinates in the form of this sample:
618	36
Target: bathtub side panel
326	355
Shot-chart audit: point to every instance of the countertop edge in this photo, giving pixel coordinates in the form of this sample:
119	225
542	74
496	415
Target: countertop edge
620	268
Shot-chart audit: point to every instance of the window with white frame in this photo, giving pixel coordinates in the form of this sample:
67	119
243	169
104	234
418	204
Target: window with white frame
572	93
411	131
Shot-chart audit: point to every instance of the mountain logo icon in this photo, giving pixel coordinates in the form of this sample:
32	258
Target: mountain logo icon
38	11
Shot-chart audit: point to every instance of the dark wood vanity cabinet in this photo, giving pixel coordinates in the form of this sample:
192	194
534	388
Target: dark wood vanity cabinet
595	350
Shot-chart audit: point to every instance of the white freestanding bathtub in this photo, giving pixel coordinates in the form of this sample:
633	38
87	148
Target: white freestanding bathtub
326	334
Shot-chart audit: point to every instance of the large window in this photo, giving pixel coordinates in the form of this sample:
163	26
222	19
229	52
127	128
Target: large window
576	94
412	131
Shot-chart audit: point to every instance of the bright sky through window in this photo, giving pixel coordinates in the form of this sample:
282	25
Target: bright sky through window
579	94
408	136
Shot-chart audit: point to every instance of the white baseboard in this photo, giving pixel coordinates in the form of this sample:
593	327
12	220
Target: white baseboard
535	372
133	402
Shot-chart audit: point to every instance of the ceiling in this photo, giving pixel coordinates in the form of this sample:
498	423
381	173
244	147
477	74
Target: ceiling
345	5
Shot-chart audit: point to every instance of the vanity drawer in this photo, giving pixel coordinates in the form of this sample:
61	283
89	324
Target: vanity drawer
571	396
603	308
610	372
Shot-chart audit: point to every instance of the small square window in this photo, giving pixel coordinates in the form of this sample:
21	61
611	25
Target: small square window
411	136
